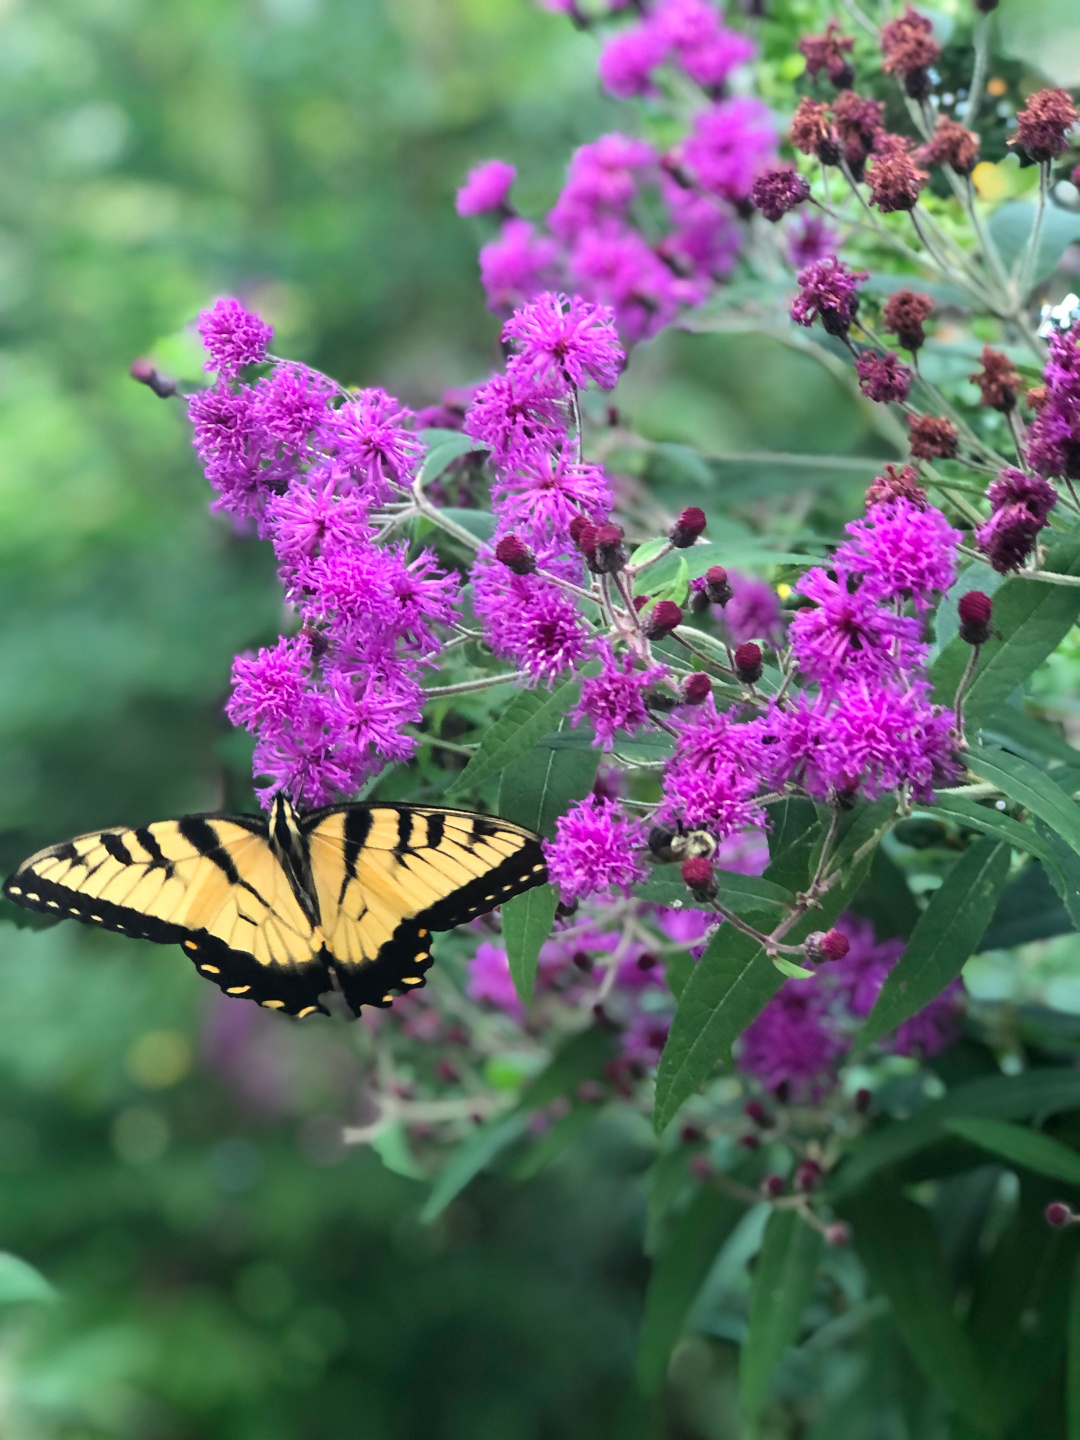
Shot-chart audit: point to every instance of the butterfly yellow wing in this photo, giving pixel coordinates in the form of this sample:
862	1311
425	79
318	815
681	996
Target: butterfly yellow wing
210	884
386	876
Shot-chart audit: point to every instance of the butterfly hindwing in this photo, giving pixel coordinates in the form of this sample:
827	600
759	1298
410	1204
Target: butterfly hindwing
210	884
386	876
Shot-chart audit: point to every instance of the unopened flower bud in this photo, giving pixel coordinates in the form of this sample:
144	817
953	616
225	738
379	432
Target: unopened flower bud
691	1134
700	1167
750	1141
717	585
609	552
163	386
662	619
446	1070
862	1101
976	612
807	1176
756	1111
748	663
1058	1214
577	524
687	528
696	689
698	874
838	1234
513	552
826	945
772	1186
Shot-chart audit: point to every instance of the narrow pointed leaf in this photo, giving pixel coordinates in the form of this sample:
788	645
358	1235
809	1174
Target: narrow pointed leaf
945	937
1032	618
1032	788
783	1283
537	788
529	715
995	824
678	1274
1072	1396
472	1156
20	1283
1020	1146
526	923
444	447
741	893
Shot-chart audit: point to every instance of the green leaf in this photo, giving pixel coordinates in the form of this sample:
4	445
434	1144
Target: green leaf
20	1283
651	548
557	1138
1063	871
1003	1097
472	1155
526	923
480	523
794	832
1032	618
1015	730
791	971
729	986
1020	1146
391	1145
443	448
993	823
529	715
945	937
742	893
689	564
896	1241
1072	1396
1045	36
886	899
582	1058
1011	223
1031	787
678	1274
539	787
783	1284
1028	909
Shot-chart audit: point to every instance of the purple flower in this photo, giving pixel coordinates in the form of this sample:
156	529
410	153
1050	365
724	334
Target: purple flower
513	413
753	612
224	422
597	849
629	58
795	1042
714	775
884	378
517	265
316	514
239	458
730	144
601	184
1053	446
934	1028
529	620
292	403
373	595
876	737
643	1040
233	337
860	976
617	266
615	699
903	550
706	50
565	337
829	290
850	633
779	191
491	983
486	188
706	239
545	491
809	240
1022	505
270	686
370	435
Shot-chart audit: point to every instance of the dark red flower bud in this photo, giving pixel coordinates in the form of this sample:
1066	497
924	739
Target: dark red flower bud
577	524
976	612
807	1176
826	945
750	1142
1058	1214
640	601
700	1167
662	619
862	1101
757	1112
585	539
905	314
691	1134
772	1186
699	877
838	1234
446	1070
687	528
696	689
748	662
609	555
513	552
162	385
717	585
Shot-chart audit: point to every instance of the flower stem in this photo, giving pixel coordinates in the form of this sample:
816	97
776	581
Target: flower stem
465	687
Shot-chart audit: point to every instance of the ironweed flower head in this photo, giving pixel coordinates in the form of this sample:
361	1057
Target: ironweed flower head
828	291
933	437
529	620
903	550
486	188
830	52
628	60
813	132
751	611
1044	125
292	404
777	192
371	435
875	737
729	145
998	381
597	850
233	338
859	123
810	238
601	183
894	178
896	484
513	413
714	775
614	700
884	378
905	314
1053	446
565	338
517	265
705	48
951	144
545	489
910	50
1022	505
848	633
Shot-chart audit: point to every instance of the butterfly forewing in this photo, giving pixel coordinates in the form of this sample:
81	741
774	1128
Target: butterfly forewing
387	876
207	883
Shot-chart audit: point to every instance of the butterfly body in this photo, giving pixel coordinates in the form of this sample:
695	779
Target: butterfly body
274	909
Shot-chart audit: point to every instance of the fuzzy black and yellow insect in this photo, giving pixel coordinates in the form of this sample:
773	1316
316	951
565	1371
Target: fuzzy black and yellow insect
268	906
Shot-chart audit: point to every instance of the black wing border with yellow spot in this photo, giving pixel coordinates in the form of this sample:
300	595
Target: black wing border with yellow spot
235	972
403	960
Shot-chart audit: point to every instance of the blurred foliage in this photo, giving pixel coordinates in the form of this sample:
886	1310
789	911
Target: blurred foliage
171	1163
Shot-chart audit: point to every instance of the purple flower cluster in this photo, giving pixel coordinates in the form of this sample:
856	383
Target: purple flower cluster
1053	447
797	1043
328	706
688	34
597	849
1021	508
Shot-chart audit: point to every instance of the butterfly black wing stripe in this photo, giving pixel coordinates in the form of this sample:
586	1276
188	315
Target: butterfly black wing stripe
115	847
404	830
153	849
357	826
196	831
436	830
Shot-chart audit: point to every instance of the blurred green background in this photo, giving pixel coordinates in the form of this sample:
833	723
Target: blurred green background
170	1161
